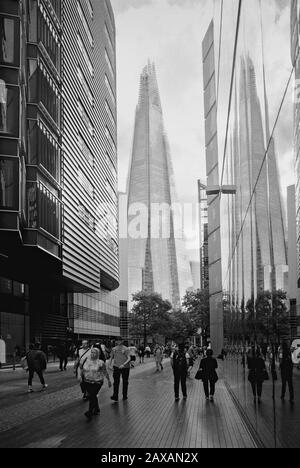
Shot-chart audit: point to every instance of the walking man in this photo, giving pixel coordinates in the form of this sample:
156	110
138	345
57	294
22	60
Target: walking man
120	359
82	353
37	362
179	365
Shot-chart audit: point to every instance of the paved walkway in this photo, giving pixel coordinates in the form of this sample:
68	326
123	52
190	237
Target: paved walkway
276	424
149	419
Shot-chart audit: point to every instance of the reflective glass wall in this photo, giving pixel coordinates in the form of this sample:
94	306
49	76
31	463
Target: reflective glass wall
255	115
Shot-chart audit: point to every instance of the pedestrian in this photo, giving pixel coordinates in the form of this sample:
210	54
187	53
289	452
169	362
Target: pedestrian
179	365
158	356
208	366
92	371
286	368
36	362
62	352
82	353
257	372
148	351
141	353
120	363
133	352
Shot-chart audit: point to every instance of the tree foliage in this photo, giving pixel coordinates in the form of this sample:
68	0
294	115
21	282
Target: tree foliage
150	316
196	306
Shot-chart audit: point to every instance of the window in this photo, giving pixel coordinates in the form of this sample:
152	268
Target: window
110	91
85	86
109	64
110	42
42	88
85	119
90	8
9	183
110	114
85	24
9	41
43	209
110	165
48	36
9	109
85	55
43	148
110	190
85	151
86	217
85	183
110	139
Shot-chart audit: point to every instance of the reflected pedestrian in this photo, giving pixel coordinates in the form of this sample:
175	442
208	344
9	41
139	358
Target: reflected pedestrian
286	368
208	366
257	372
141	353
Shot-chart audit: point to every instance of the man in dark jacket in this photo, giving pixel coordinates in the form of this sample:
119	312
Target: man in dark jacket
37	362
208	366
286	368
180	369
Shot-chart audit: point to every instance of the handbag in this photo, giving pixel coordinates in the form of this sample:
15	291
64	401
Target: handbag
265	375
199	375
24	363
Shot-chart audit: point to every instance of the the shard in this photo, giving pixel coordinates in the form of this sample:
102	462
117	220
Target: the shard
157	261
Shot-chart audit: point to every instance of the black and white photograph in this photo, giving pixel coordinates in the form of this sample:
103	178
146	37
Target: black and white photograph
149	227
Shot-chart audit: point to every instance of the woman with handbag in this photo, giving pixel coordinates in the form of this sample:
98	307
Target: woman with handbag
208	374
257	373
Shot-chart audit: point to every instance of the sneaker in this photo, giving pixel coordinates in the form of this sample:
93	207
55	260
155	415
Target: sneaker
125	398
45	387
88	415
211	398
30	390
114	398
177	399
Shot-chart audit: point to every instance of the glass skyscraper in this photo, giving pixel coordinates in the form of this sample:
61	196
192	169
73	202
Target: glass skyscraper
157	259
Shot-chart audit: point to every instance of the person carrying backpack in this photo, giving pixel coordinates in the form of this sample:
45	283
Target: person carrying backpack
180	367
36	362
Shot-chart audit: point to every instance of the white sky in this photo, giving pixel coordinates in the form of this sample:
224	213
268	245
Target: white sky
170	32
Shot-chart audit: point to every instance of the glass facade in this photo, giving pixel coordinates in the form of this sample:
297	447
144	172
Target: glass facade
249	150
9	183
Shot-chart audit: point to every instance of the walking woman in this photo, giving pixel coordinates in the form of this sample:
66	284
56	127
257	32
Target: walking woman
208	366
93	371
257	372
158	355
286	368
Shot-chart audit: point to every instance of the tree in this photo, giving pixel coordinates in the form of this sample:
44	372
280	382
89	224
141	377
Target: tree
196	306
150	316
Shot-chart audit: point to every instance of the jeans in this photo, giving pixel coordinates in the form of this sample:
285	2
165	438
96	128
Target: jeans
117	377
179	378
31	374
92	390
63	361
209	387
291	388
